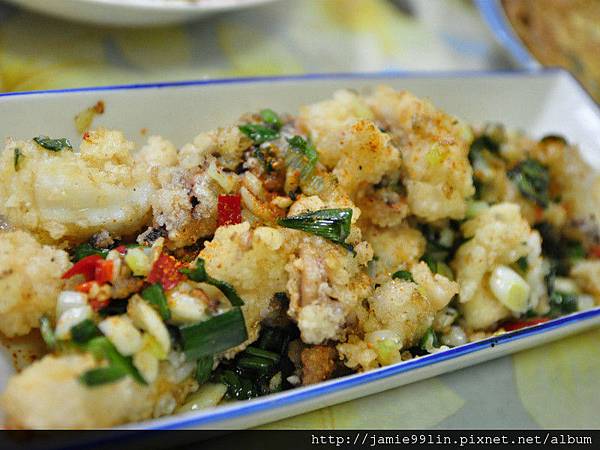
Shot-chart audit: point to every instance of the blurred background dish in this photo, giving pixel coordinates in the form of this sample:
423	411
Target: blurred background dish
554	33
134	12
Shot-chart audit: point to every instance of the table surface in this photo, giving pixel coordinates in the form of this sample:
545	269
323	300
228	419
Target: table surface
556	385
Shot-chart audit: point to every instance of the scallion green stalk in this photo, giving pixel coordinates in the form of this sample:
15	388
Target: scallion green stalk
215	335
331	224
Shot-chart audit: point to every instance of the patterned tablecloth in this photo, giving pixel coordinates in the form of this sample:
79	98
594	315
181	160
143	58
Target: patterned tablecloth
556	385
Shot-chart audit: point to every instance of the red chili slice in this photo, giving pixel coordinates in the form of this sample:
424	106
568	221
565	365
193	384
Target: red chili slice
229	210
104	271
97	305
121	249
594	251
512	326
85	266
85	287
166	272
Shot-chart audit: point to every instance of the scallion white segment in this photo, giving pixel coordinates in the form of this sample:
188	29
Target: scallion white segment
510	289
387	344
69	299
71	317
146	318
120	331
137	260
209	395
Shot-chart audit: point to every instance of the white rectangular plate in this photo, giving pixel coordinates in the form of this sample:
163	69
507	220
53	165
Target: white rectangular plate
539	103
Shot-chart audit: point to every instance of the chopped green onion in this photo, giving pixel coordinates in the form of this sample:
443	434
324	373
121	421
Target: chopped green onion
403	275
55	145
510	289
563	303
259	352
83	250
430	261
273	339
303	156
444	269
137	260
119	365
102	375
237	387
332	224
155	295
259	133
387	350
199	275
429	340
17	158
204	368
270	117
255	363
84	331
574	250
533	180
522	264
47	332
484	142
215	335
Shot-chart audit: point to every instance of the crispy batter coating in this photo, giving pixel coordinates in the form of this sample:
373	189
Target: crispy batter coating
394	248
48	394
185	206
67	196
434	148
483	311
325	122
253	261
326	284
366	155
498	236
318	363
29	281
400	306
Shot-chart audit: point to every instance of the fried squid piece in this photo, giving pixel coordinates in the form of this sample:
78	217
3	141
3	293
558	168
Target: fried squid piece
361	156
498	237
407	307
29	281
394	248
434	147
326	121
69	195
185	205
365	156
326	280
397	316
49	395
253	261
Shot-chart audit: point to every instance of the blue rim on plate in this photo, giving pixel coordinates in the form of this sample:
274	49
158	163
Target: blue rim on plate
536	71
340	385
493	13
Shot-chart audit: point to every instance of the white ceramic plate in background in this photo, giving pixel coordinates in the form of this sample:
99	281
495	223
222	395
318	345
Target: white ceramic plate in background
538	102
134	12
